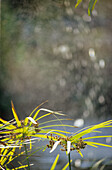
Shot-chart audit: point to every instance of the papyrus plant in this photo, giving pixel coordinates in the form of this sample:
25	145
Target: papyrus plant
19	133
23	133
77	141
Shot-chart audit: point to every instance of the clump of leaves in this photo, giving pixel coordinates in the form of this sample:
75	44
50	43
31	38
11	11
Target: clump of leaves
19	133
7	155
77	141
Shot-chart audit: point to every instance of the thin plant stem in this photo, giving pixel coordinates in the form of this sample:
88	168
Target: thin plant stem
27	157
69	161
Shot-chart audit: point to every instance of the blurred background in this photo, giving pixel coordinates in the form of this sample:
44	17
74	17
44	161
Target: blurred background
52	51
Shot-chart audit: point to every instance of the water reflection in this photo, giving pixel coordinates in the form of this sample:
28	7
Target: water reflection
79	122
77	163
108	140
92	54
102	63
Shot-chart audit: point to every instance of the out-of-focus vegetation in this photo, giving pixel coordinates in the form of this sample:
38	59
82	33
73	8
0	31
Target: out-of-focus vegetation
90	6
56	52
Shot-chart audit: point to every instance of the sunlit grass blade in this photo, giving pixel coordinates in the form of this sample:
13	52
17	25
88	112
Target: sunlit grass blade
85	128
58	125
37	108
42	136
99	144
10	146
91	144
3	121
53	130
50	111
91	6
6	124
91	129
92	137
4	153
47	114
107	126
34	117
56	133
15	115
55	162
80	153
55	120
12	152
9	153
5	139
97	131
5	132
78	2
43	116
14	157
21	167
66	166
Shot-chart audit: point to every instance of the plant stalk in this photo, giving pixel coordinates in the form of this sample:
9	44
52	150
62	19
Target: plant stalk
27	156
69	161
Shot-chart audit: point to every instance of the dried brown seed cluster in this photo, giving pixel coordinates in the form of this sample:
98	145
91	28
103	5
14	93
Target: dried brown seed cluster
51	141
63	142
36	126
80	144
22	135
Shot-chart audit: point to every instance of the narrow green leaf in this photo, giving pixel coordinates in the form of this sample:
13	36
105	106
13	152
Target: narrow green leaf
96	137
43	116
57	120
100	144
15	115
96	165
91	129
66	166
37	108
80	153
55	162
91	144
58	125
78	2
91	6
